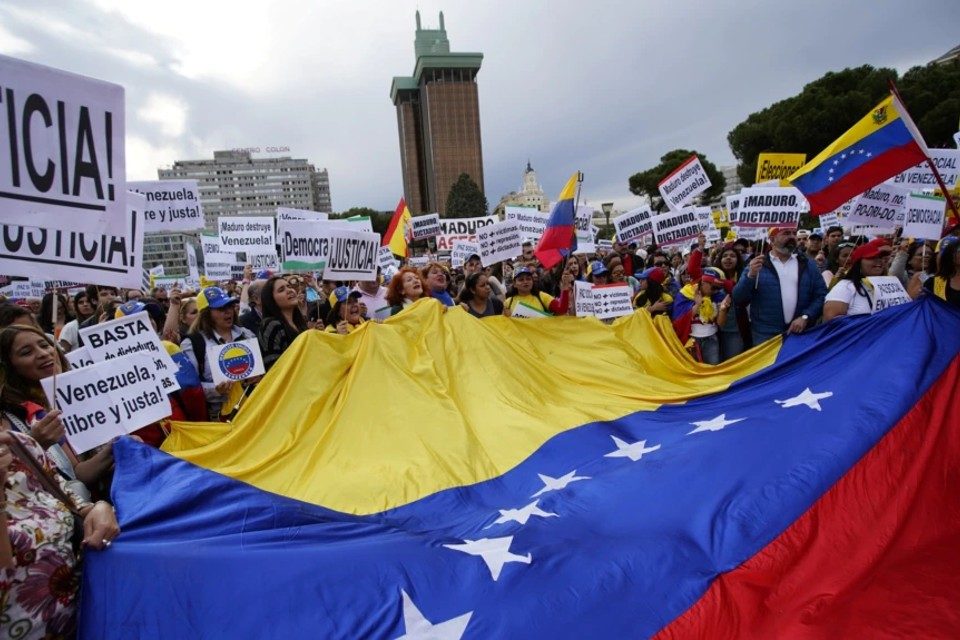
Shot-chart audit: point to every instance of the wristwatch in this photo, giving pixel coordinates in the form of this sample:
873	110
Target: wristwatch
805	317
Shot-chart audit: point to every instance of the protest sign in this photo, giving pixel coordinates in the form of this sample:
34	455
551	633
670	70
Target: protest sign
887	292
769	207
263	261
584	230
353	255
79	357
108	257
499	241
106	400
720	217
828	220
235	361
385	258
604	246
924	216
956	139
733	207
63	164
172	205
193	270
684	183
522	310
462	252
362	223
131	334
531	221
883	206
633	224
612	300
456	229
426	226
418	261
920	177
24	289
583	298
252	234
210	243
676	227
712	235
778	166
219	266
286	213
168	283
156	270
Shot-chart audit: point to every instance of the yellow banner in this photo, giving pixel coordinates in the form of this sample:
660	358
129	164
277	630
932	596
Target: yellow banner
778	166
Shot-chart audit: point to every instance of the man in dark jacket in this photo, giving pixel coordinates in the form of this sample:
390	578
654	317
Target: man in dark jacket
785	291
250	319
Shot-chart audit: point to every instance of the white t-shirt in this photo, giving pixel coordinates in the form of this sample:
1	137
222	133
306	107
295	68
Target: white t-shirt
373	302
789	274
844	291
70	333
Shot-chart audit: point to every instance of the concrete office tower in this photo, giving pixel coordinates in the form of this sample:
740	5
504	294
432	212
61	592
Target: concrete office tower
438	118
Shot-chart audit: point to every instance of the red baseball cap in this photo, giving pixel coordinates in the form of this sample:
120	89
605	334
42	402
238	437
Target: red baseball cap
873	249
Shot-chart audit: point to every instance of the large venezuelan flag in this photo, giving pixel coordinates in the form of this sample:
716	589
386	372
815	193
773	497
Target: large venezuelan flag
559	236
441	476
882	144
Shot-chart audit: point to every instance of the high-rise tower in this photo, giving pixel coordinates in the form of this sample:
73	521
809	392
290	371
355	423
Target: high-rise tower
438	118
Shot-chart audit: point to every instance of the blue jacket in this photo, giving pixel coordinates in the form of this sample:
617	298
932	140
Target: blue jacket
766	305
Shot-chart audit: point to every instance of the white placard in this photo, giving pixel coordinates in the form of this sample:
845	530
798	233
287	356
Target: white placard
385	259
525	311
767	207
361	223
612	300
261	261
424	227
210	244
956	139
172	205
286	213
531	221
131	334
924	217
110	257
499	241
62	164
193	270
887	292
252	234
418	261
633	224
353	255
828	220
235	360
676	228
883	206
921	178
219	266
79	358
584	230
168	283
712	235
733	208
583	298
157	270
684	184
453	230
106	400
305	244
462	251
23	289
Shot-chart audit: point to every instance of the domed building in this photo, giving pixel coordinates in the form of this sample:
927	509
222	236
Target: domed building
530	194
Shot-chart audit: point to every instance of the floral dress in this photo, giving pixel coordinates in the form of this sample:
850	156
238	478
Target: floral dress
38	595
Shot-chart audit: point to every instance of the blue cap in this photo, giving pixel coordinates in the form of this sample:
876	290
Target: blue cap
343	293
215	298
264	274
129	308
519	271
598	268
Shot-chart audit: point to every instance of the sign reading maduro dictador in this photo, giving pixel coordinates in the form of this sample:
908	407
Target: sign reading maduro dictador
770	207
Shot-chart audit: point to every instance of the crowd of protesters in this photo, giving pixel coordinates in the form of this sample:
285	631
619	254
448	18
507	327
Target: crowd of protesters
721	300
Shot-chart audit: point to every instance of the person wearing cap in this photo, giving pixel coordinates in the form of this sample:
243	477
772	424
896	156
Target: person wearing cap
215	325
345	317
652	297
597	273
853	294
282	319
946	283
785	291
524	291
698	310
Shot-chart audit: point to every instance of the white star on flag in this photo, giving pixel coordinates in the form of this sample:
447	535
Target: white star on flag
633	451
417	627
555	484
716	424
494	551
808	398
523	514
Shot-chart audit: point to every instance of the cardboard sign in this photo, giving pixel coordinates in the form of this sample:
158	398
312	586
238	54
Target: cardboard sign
453	230
106	400
684	183
767	207
887	292
62	163
633	224
424	227
612	300
531	221
79	358
584	230
385	259
353	255
172	205
235	360
924	216
583	299
499	241
111	256
462	252
883	206
522	310
250	234
131	334
921	178
676	228
778	166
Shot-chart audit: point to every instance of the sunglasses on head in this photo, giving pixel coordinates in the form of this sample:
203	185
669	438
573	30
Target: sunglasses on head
295	281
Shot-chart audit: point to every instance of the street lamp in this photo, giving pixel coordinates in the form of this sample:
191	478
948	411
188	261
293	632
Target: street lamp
607	207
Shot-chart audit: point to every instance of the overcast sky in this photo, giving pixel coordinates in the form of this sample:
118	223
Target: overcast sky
603	87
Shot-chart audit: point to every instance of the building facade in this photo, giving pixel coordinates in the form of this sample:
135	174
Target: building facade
733	181
438	120
530	194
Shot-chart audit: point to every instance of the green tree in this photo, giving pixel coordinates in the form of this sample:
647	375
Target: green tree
465	199
828	106
645	182
379	220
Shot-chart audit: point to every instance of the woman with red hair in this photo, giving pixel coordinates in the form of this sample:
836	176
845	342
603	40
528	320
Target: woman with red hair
405	288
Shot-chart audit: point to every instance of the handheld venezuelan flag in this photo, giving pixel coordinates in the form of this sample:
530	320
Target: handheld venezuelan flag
396	235
882	144
776	495
559	237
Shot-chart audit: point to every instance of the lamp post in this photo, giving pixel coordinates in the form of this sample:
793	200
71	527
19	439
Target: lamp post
607	207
